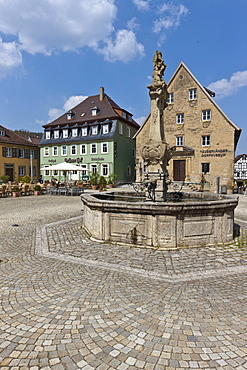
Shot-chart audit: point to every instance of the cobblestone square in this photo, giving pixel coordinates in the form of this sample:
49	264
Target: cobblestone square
68	302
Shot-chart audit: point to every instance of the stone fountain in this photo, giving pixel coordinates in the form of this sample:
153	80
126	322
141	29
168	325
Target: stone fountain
202	219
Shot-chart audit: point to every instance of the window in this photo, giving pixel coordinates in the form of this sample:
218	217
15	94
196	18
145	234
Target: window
192	94
21	153
170	99
120	128
105	129
47	172
84	171
55	150
128	171
32	154
73	150
105	169
124	115
206	140
104	148
65	133
21	171
205	167
8	152
93	168
83	149
206	115
93	149
180	118
64	150
95	111
84	131
2	133
74	132
70	115
179	140
46	152
94	130
48	134
56	134
128	131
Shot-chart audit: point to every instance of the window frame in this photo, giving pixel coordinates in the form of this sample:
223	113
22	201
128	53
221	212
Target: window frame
62	150
73	148
207	164
193	94
65	133
207	114
179	118
55	151
179	140
74	132
93	145
85	147
9	152
170	99
120	128
104	145
84	131
103	167
56	134
46	151
105	129
21	173
21	153
93	168
47	135
206	140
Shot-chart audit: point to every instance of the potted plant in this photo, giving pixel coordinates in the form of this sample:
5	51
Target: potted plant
37	189
110	179
15	191
102	182
94	179
4	179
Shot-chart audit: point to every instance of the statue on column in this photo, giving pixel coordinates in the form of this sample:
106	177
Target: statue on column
155	152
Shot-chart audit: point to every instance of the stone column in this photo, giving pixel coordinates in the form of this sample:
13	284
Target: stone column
155	151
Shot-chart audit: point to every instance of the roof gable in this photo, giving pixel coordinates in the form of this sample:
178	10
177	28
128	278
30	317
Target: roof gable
11	137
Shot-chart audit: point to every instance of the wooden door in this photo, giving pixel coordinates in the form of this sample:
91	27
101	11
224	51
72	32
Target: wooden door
10	172
179	170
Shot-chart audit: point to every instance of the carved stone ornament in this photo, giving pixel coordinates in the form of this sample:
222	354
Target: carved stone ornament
153	153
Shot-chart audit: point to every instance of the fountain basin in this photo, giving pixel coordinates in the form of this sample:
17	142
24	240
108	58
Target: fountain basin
207	219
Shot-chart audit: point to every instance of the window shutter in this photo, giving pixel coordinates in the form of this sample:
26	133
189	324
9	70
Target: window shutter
26	153
4	152
14	152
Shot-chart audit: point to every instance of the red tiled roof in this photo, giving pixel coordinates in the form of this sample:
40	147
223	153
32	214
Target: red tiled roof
11	137
108	109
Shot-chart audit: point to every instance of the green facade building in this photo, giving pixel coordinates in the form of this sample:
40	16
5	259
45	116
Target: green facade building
97	135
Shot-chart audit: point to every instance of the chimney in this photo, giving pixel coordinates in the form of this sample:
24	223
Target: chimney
101	93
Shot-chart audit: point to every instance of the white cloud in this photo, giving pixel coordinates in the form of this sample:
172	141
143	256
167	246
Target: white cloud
71	102
226	87
141	4
125	47
44	26
171	16
10	57
140	120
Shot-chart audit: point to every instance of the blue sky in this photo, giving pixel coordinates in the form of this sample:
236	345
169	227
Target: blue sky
53	53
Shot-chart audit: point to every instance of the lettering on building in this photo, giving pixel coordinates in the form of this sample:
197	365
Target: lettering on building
214	152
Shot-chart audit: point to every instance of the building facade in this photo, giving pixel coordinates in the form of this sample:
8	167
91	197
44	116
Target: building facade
240	167
201	137
97	135
18	156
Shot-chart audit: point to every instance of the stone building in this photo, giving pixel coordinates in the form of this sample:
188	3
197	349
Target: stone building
97	135
201	137
17	155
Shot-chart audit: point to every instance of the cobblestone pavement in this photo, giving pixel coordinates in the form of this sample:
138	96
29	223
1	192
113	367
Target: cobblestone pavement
71	303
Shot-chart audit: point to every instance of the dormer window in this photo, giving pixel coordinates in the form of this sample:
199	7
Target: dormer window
2	133
124	115
65	133
94	130
84	131
48	134
70	114
105	129
74	132
95	111
56	134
